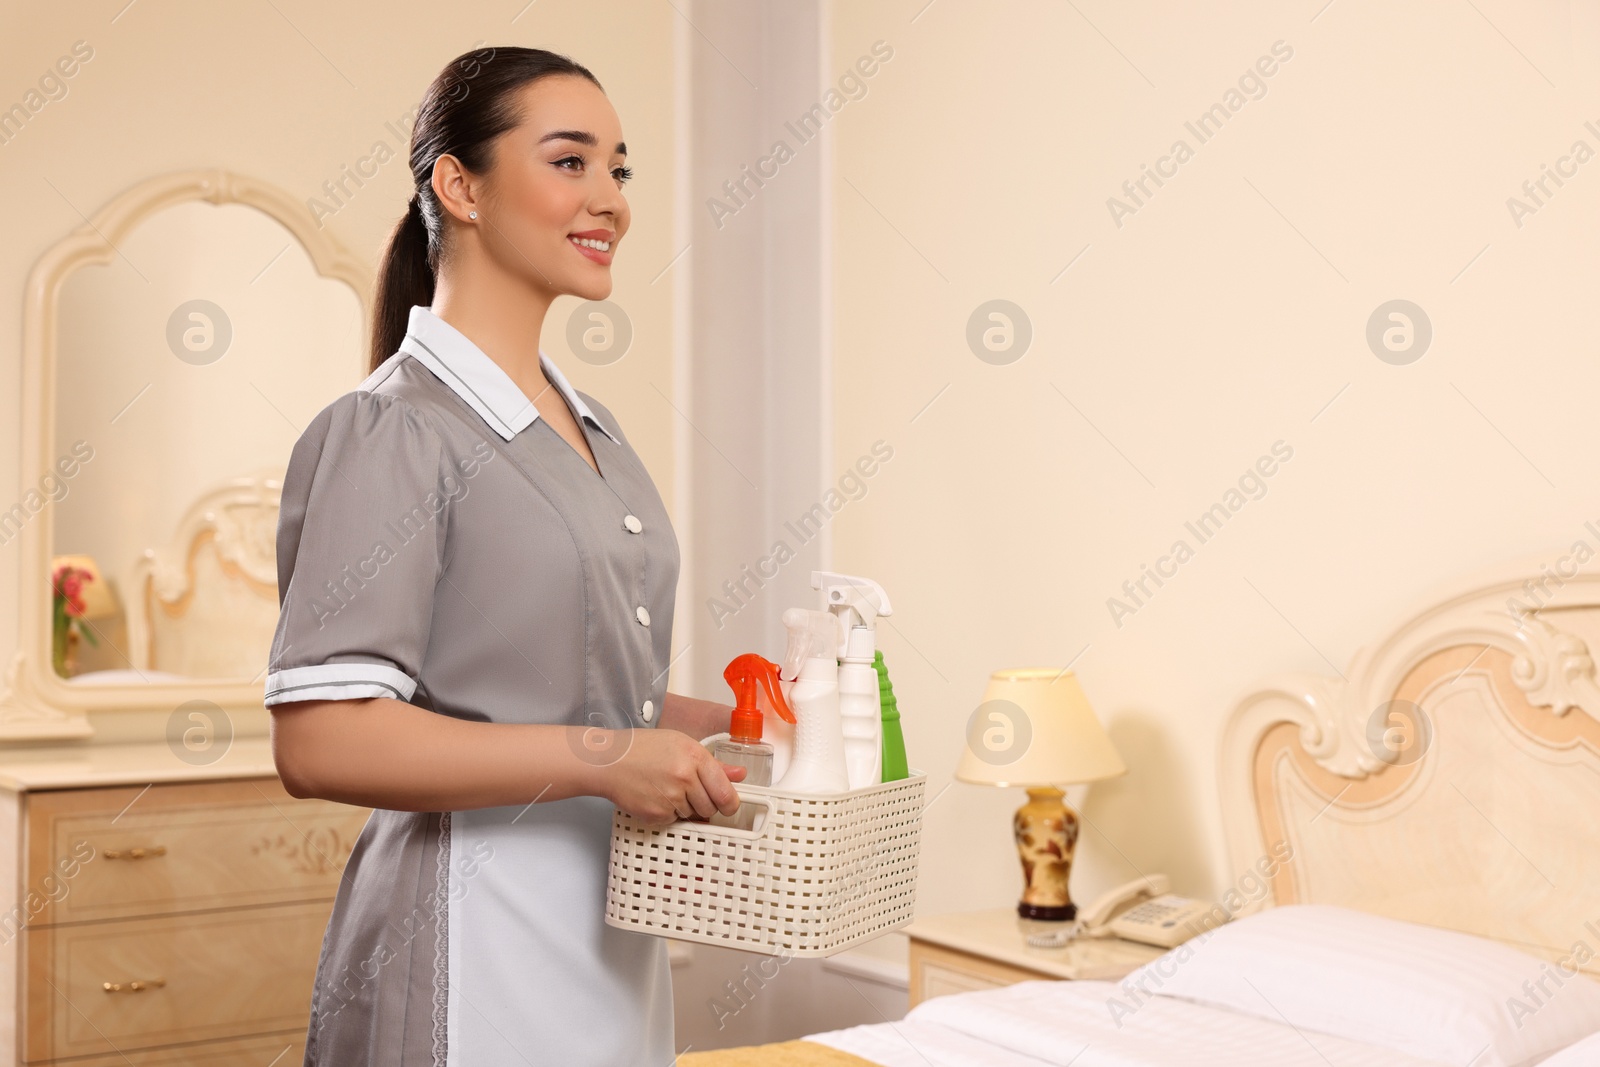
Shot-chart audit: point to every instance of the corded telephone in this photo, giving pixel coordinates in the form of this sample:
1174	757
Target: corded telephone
1143	910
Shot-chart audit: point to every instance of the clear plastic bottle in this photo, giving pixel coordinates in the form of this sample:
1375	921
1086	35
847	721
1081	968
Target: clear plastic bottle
751	753
743	746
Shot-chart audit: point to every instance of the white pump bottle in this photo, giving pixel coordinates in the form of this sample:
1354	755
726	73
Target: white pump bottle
856	604
809	680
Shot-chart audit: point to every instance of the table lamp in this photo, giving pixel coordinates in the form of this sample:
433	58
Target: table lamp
1035	728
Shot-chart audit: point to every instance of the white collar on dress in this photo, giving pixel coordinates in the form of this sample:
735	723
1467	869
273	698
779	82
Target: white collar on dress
479	380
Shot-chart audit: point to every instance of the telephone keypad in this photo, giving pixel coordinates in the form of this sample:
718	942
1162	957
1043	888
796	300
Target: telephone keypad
1157	912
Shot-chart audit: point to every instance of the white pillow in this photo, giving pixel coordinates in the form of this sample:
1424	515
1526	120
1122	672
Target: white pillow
1431	993
1585	1053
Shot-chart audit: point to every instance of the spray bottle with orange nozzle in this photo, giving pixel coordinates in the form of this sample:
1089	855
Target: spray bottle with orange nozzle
748	674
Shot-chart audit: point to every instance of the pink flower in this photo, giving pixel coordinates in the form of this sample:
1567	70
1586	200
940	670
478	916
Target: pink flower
69	585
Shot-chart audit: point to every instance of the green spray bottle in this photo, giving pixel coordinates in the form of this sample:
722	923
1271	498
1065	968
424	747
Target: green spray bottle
894	742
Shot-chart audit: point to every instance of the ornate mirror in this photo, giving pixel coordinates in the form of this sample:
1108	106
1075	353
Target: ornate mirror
175	347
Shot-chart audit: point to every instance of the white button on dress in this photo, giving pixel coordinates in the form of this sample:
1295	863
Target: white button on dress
642	615
632	523
649	710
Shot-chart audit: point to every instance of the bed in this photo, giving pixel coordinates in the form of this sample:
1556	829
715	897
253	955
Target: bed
1431	891
204	603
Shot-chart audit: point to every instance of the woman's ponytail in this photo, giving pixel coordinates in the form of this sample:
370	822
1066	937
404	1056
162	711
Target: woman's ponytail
404	278
471	103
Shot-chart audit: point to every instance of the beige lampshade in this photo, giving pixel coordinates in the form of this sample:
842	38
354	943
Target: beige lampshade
1034	728
98	600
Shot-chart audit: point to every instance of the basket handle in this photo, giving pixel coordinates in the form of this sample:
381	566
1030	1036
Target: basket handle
758	830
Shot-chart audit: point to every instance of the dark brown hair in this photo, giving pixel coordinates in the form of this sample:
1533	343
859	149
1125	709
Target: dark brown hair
471	102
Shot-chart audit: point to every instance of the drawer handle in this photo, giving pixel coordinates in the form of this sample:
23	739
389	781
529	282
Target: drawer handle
134	853
134	986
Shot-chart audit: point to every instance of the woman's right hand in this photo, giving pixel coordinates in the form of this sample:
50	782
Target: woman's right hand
666	775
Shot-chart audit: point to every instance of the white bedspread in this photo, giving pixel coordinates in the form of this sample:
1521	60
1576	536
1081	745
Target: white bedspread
1041	1023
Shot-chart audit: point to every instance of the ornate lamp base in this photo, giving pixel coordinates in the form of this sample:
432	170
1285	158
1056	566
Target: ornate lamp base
1046	831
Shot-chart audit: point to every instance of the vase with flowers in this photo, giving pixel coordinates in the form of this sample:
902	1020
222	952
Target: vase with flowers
67	621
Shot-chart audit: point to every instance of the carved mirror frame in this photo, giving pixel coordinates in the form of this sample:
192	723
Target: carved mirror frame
35	702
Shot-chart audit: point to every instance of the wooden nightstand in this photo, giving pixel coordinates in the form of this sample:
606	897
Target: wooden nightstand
986	949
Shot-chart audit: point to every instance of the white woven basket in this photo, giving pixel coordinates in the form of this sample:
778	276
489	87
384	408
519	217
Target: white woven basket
815	875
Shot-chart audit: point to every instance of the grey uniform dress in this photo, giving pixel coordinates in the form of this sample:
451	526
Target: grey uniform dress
441	544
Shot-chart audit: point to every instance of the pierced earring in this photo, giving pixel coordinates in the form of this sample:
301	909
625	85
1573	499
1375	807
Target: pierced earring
472	214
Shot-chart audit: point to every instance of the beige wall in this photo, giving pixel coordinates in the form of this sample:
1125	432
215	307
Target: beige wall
1227	313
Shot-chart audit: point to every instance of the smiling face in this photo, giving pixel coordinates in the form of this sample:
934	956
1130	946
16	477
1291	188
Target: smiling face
554	201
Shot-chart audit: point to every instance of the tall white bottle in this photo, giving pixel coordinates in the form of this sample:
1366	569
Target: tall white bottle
809	678
856	604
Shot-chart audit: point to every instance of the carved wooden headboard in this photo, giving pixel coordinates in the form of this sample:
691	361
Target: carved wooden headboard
206	604
1450	777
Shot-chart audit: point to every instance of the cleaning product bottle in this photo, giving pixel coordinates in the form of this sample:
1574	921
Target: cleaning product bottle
779	733
775	731
856	603
743	746
894	742
810	673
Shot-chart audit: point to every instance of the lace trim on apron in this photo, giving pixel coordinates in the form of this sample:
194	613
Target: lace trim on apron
441	955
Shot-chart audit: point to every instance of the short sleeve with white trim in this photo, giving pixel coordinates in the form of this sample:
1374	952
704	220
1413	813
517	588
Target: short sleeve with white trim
362	529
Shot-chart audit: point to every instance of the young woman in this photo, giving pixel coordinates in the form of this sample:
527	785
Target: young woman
476	577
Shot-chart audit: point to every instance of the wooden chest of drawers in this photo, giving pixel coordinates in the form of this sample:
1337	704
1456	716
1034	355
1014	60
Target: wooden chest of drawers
166	924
